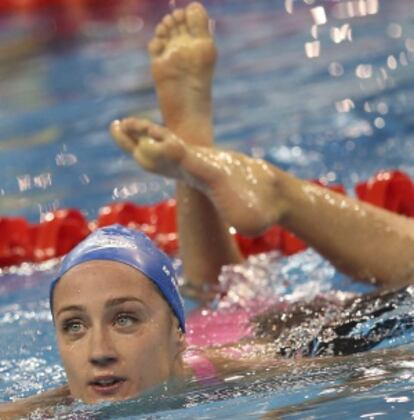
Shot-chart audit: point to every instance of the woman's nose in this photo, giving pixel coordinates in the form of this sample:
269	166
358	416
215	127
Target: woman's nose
102	351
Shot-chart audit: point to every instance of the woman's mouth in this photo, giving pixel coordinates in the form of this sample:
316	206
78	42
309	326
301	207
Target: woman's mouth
107	385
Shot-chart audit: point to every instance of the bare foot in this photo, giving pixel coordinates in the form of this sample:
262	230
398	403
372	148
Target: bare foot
183	55
153	147
245	191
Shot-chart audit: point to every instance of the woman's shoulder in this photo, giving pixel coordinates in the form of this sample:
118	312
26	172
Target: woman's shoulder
44	400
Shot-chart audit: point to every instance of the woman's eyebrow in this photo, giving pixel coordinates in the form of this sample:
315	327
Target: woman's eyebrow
70	308
123	299
110	302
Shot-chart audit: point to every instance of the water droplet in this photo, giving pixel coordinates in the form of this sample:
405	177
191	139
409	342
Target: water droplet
314	31
84	179
43	180
340	34
345	105
336	69
289	6
367	107
392	62
382	108
364	71
379	122
312	49
372	7
66	159
394	30
319	15
24	182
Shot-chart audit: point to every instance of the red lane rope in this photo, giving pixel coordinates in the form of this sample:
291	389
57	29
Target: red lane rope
21	241
7	6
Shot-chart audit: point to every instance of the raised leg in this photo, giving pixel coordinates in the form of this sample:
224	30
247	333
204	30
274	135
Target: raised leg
364	241
183	56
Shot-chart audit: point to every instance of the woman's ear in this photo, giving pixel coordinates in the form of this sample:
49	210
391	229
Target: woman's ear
182	342
179	336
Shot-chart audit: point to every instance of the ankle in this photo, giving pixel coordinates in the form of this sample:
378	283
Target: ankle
194	131
186	114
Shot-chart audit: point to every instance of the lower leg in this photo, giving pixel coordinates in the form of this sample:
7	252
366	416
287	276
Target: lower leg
182	68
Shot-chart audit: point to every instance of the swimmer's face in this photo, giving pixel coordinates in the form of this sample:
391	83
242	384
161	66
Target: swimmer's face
116	334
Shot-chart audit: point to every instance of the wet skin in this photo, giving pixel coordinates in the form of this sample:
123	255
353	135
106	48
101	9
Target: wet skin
116	334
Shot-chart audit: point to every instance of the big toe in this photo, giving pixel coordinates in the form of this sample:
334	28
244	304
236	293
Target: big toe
197	20
123	140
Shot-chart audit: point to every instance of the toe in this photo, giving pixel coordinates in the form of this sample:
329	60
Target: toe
179	17
156	46
123	140
140	156
135	126
157	132
197	20
161	31
169	23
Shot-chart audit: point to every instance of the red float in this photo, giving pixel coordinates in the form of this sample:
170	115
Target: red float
59	233
15	241
391	190
166	226
270	240
291	244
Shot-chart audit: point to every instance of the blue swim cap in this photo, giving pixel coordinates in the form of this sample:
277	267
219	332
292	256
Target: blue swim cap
120	244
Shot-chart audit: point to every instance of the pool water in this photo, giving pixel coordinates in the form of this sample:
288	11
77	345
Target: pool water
339	116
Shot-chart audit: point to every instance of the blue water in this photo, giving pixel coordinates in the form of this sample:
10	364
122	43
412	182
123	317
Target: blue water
57	98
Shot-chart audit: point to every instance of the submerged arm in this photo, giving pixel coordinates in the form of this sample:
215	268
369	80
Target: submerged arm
22	408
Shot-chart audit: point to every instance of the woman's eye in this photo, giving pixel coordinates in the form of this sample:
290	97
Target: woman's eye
125	321
73	327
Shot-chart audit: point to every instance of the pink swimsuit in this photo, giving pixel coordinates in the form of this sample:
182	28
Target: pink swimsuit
206	327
